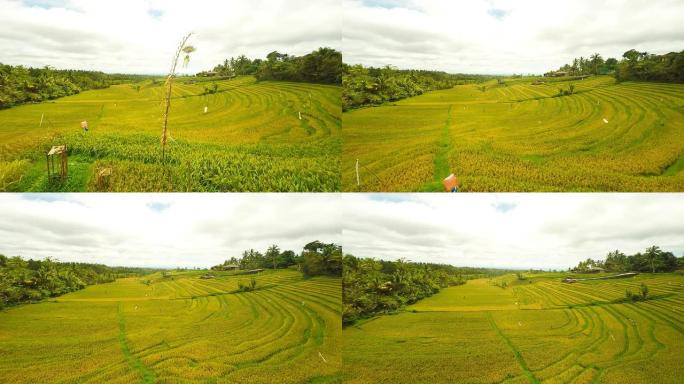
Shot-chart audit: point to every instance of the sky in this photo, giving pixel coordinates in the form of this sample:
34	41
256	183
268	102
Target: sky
162	230
520	231
140	36
505	36
501	230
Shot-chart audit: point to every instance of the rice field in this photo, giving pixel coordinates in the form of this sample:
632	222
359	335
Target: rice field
538	330
179	329
519	136
253	136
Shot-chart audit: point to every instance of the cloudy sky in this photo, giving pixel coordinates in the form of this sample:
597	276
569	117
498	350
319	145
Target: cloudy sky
140	36
548	231
505	36
162	230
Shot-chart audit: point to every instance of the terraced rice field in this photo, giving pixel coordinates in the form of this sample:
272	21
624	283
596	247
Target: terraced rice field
607	136
250	139
538	330
180	329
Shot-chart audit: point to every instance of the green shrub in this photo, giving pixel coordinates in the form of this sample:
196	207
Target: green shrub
247	287
644	291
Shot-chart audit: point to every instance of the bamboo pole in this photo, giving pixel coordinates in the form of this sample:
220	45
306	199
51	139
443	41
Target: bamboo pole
169	87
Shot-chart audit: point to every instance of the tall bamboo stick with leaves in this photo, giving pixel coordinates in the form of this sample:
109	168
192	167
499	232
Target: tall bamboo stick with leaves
183	47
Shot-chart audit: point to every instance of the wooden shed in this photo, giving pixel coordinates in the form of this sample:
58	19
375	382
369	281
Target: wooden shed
60	151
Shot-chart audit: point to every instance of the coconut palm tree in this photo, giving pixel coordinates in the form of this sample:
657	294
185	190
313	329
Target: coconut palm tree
652	254
596	60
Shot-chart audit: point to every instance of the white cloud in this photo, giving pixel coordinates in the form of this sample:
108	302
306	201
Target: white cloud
494	230
498	36
162	229
140	36
549	231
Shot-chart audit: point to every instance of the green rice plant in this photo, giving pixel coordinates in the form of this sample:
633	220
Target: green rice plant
541	330
180	328
250	139
600	136
11	173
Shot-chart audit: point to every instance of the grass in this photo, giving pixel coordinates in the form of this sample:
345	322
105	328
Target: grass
179	329
146	375
250	139
607	136
535	330
516	353
476	295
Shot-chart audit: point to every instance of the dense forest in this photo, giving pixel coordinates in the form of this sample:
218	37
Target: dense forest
363	86
19	85
316	258
634	65
372	287
32	280
321	66
366	86
653	260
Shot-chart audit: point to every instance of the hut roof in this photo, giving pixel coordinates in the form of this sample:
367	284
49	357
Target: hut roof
57	150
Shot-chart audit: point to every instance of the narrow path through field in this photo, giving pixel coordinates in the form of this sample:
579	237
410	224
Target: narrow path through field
518	357
675	167
147	375
441	158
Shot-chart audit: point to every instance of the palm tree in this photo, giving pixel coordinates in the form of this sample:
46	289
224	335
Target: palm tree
596	59
652	254
272	253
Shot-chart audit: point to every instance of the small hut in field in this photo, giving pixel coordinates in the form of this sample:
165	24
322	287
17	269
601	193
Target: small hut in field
556	74
226	267
61	152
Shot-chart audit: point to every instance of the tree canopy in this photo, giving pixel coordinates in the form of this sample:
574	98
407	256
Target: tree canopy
316	258
19	85
634	65
371	287
653	260
323	65
32	280
366	86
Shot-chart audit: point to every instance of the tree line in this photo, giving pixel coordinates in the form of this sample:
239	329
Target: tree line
653	260
316	258
19	84
366	86
634	65
371	287
31	280
321	66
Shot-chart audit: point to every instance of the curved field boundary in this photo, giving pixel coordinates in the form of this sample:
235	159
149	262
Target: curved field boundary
185	329
254	136
576	333
522	137
518	357
147	376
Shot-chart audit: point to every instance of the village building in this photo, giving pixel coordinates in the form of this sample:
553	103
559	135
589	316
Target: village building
556	74
226	267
